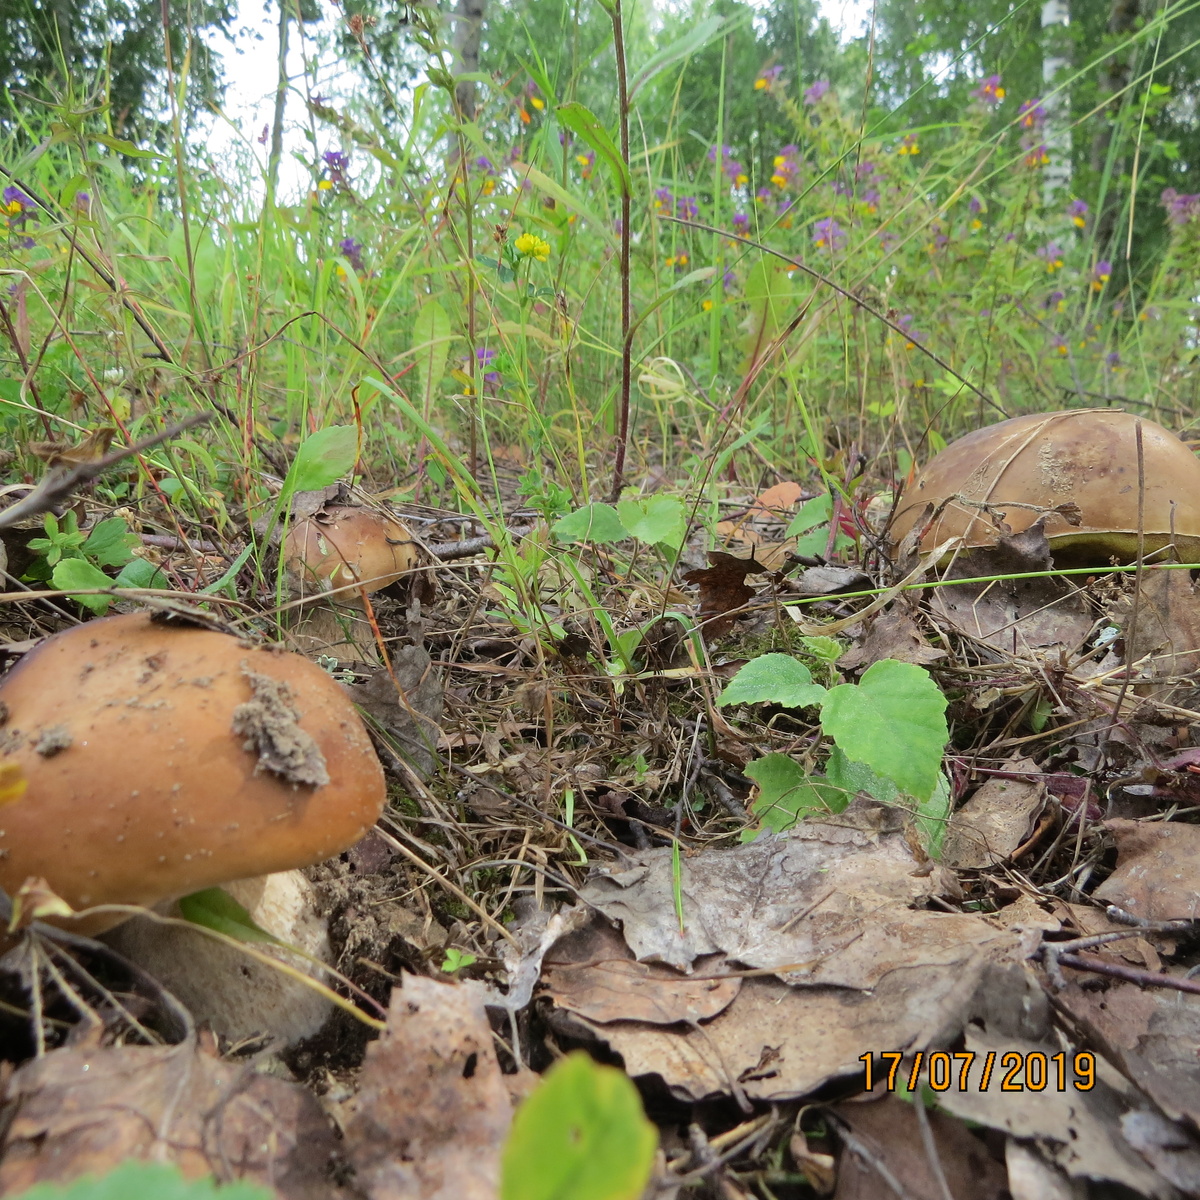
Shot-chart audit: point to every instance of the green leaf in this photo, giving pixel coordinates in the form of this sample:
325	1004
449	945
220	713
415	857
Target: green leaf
592	523
786	795
218	910
894	720
110	544
73	573
773	679
933	815
323	458
144	1181
826	649
850	778
431	338
684	47
582	121
581	1135
657	520
138	573
814	512
121	145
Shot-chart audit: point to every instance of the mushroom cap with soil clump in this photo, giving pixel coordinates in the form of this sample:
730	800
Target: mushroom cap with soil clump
1078	470
356	549
160	760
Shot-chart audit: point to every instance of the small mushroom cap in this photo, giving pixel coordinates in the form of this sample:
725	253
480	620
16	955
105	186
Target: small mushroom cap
159	761
1083	457
342	545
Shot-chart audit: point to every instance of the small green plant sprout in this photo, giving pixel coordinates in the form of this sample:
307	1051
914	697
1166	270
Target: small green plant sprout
456	960
581	1135
70	558
889	731
654	520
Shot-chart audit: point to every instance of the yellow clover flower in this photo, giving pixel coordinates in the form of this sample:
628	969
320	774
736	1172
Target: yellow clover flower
531	246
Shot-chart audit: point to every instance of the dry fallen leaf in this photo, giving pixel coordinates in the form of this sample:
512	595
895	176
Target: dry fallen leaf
996	819
1152	1034
432	1110
83	1110
888	1134
1077	1130
892	634
1158	866
1013	615
830	902
594	974
723	590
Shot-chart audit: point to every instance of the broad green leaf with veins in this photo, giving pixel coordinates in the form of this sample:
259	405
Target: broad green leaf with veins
894	720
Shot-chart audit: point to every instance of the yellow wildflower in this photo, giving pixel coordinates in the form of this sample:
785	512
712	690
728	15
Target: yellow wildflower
324	185
537	102
706	305
531	246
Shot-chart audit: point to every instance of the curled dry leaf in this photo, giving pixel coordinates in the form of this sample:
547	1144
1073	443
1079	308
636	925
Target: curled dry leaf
892	634
592	973
996	820
723	590
83	1110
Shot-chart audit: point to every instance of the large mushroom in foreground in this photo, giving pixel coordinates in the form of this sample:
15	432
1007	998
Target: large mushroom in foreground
158	761
1077	471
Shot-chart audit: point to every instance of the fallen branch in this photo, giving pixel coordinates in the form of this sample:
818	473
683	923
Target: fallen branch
60	482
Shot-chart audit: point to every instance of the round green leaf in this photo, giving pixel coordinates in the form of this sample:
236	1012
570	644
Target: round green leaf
592	523
581	1135
894	720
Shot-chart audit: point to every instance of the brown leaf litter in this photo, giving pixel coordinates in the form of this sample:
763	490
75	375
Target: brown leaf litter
84	1109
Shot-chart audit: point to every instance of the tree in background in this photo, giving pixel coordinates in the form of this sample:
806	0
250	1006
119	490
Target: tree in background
116	43
1130	92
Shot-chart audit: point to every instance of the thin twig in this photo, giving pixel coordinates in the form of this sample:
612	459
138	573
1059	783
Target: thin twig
59	483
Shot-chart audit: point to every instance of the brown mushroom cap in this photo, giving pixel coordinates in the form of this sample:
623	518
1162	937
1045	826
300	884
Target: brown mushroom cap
160	761
1085	457
342	545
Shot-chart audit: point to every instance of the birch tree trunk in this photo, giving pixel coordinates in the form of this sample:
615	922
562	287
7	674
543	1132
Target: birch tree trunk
468	29
1056	177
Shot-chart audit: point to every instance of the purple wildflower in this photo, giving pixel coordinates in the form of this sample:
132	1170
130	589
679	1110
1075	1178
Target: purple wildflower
1055	300
1051	254
989	91
863	171
729	280
816	93
1112	358
351	250
741	223
1031	114
829	234
484	357
975	206
15	200
663	200
766	78
762	195
842	189
1101	273
905	325
1077	210
686	208
1181	207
